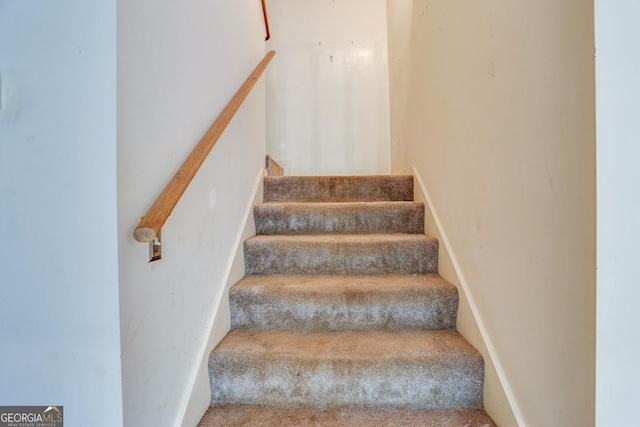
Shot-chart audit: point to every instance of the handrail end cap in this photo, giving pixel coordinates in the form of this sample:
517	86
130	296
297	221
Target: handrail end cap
144	234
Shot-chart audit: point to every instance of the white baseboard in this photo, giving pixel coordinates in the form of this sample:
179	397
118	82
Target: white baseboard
465	288
197	398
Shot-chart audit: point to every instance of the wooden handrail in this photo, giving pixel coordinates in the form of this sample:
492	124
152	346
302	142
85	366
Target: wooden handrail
266	20
154	219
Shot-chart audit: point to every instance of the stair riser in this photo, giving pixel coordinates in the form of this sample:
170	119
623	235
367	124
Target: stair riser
276	311
240	380
338	189
387	257
344	218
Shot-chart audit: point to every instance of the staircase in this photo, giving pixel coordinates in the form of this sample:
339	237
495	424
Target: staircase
342	319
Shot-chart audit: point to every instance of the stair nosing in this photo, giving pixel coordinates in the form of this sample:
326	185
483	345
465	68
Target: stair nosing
425	281
250	339
343	237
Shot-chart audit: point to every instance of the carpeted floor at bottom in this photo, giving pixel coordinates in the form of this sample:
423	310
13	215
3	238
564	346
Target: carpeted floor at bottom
266	416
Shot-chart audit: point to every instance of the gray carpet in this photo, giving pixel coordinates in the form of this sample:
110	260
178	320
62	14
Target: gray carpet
342	254
378	188
342	319
344	303
268	416
340	218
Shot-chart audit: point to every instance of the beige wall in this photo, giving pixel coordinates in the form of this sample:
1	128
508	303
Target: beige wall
178	66
328	89
493	103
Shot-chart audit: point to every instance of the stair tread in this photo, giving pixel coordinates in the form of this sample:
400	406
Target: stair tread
377	347
347	217
264	416
341	254
431	369
340	302
364	188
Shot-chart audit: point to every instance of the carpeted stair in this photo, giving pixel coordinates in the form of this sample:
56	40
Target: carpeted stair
342	319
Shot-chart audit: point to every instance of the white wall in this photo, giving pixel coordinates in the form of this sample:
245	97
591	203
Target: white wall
59	324
178	65
328	91
617	106
493	102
